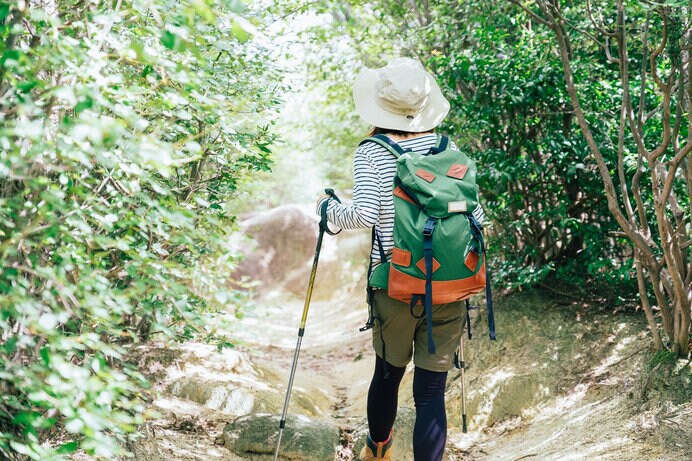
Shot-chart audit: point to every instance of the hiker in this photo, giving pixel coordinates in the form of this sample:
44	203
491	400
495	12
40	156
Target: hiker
403	102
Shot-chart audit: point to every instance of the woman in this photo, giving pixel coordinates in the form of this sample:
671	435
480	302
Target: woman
403	102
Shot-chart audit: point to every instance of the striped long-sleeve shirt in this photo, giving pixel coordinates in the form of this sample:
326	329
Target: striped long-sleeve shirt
374	168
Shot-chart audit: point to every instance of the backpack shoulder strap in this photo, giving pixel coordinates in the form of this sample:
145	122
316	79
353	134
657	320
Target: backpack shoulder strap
385	142
442	142
441	145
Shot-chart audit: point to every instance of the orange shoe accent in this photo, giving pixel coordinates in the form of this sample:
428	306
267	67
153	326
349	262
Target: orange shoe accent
377	450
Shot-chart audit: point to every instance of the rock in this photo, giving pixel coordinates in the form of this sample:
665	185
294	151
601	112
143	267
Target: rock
229	382
144	446
254	437
278	249
515	395
205	357
283	242
220	380
217	396
237	398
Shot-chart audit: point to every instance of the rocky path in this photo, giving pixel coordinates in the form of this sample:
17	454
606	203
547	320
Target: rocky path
575	406
562	382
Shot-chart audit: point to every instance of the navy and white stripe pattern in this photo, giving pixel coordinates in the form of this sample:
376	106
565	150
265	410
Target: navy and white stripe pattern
374	168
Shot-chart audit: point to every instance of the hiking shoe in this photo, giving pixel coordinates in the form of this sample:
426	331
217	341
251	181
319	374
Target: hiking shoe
376	450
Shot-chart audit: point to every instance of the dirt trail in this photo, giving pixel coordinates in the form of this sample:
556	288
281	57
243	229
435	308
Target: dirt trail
563	382
581	406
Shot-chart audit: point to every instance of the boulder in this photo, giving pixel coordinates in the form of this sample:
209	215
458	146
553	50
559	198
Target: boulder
236	398
278	247
220	396
255	436
516	395
281	244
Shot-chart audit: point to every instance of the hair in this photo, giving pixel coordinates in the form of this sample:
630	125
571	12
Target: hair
378	130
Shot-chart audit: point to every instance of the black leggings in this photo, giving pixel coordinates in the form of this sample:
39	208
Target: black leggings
430	430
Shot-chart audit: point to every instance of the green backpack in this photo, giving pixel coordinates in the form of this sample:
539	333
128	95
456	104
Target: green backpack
439	253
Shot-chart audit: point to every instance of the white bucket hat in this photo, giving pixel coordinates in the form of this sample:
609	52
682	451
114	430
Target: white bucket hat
400	96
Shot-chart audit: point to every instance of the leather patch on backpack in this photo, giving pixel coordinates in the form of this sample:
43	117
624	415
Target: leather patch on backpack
471	260
401	257
399	192
457	171
426	175
421	265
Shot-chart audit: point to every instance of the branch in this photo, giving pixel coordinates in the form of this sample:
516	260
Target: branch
624	110
60	287
642	89
611	196
648	312
608	55
658	51
419	15
426	11
530	13
660	150
296	10
673	165
600	29
588	34
636	193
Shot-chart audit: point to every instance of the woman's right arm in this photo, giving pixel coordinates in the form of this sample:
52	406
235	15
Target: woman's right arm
365	209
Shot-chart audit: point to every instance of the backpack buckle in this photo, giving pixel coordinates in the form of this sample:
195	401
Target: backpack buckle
429	227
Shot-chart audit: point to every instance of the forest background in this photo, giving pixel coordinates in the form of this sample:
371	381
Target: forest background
132	134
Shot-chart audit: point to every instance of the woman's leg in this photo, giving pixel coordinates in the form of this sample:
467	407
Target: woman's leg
383	398
430	430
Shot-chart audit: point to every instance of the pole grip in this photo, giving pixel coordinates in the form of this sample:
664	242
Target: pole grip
324	226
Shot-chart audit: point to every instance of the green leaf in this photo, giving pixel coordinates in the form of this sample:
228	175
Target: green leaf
239	32
84	103
204	10
10	345
69	447
169	39
45	355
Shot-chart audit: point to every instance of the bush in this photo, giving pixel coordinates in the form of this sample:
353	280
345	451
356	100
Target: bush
124	131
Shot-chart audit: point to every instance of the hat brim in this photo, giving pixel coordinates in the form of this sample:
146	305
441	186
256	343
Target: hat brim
435	110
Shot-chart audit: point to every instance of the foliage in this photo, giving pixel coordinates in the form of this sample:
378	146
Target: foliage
582	129
644	162
510	111
125	128
662	357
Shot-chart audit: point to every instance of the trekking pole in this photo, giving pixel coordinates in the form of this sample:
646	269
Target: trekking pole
323	227
462	367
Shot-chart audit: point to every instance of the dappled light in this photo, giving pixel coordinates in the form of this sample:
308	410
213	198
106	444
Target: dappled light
220	221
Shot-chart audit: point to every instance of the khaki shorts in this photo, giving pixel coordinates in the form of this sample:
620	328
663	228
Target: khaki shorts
405	336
